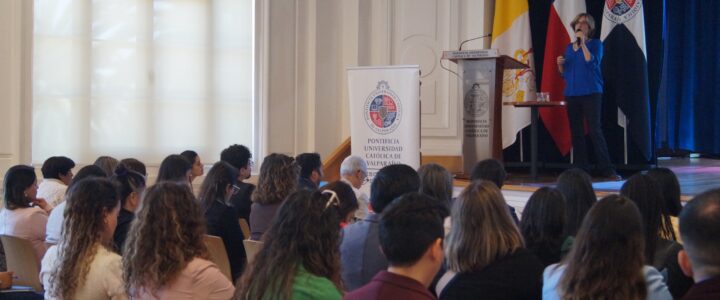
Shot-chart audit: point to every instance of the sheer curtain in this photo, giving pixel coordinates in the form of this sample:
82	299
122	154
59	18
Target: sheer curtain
141	78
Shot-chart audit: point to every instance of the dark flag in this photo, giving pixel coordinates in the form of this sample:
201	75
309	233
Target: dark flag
624	68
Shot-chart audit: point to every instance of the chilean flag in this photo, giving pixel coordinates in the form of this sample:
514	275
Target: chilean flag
559	35
624	68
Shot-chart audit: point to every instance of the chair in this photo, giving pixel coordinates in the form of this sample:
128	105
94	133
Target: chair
20	257
251	249
245	227
218	254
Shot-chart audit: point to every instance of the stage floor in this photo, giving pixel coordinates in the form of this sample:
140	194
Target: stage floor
696	175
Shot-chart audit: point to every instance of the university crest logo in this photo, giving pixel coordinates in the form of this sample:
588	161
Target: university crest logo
621	11
383	109
476	101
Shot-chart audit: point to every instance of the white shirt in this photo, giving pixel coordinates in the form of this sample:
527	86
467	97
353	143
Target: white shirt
103	280
52	190
55	223
362	199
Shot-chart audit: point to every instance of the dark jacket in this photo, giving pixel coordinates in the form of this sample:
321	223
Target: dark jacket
666	253
125	218
241	200
708	289
515	276
223	222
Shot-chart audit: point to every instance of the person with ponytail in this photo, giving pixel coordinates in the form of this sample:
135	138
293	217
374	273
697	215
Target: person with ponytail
130	186
83	265
221	219
299	266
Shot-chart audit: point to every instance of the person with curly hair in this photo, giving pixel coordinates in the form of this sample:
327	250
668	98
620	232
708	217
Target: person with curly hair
165	257
278	178
299	266
83	265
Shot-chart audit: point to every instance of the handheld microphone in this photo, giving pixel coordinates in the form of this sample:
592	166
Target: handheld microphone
578	38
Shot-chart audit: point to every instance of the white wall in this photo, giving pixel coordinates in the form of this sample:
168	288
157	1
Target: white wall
311	42
305	46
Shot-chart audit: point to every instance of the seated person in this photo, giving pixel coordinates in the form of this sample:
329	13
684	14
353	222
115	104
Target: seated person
411	235
310	170
493	171
57	175
700	229
360	248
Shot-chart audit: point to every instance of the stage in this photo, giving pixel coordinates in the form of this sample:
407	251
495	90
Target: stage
696	175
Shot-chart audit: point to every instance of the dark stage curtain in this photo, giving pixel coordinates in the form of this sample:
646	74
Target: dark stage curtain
689	107
548	152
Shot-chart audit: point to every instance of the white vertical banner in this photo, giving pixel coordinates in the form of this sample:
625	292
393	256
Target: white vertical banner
385	115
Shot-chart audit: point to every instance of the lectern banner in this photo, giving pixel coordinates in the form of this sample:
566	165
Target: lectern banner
385	115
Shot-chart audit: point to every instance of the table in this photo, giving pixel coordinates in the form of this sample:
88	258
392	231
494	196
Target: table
534	106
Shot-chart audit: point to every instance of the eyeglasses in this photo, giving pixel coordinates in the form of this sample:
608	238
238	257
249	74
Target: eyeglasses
334	200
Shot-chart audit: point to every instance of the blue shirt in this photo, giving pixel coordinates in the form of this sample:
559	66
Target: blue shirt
583	77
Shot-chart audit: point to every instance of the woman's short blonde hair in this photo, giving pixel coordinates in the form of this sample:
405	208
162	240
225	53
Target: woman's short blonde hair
482	229
590	22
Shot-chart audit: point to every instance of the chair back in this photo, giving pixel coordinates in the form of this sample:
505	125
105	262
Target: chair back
218	254
245	227
21	260
251	249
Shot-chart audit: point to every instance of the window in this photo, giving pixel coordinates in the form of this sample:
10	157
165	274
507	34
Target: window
141	78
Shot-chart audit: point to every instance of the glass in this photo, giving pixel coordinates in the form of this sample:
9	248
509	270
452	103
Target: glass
543	97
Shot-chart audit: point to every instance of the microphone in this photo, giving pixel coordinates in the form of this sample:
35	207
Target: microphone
578	41
472	39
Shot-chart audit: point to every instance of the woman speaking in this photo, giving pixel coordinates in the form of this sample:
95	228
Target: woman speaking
580	67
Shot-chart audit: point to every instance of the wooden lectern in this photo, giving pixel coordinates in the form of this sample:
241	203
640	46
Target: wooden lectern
481	72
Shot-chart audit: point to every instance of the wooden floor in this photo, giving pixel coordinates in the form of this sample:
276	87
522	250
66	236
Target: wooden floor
695	175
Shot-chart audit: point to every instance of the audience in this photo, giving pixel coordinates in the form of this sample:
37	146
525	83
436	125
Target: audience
348	203
437	182
165	257
240	157
197	166
411	237
659	252
485	254
606	260
579	195
700	229
175	168
299	258
353	171
83	265
25	216
221	220
277	179
310	170
133	164
493	170
56	219
130	186
670	188
57	175
360	247
107	164
543	220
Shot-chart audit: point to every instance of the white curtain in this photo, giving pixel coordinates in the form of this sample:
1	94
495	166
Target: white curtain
141	78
